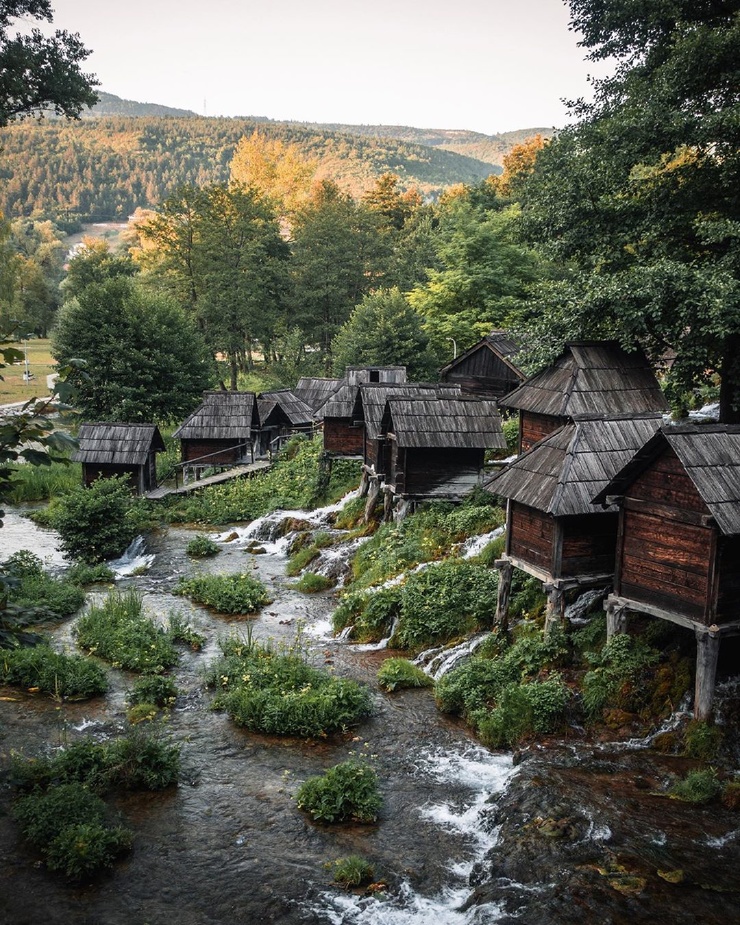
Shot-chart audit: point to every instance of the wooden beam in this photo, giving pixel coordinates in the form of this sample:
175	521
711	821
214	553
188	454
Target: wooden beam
505	569
616	620
555	610
668	512
707	653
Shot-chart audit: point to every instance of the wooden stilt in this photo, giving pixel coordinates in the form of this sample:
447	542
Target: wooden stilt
616	620
505	570
707	653
555	610
364	482
372	497
387	505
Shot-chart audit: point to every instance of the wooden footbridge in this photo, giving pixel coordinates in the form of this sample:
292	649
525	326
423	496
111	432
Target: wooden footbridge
235	472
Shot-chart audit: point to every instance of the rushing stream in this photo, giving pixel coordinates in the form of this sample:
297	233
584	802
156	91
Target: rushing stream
461	839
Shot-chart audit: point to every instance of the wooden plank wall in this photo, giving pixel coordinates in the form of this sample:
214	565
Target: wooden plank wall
432	472
535	427
531	535
589	544
91	472
482	371
728	604
226	451
341	436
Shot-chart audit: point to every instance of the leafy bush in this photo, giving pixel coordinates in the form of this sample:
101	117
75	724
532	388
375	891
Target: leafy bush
311	583
67	824
202	547
118	631
697	787
348	792
99	522
351	871
70	677
31	587
181	631
444	602
397	673
618	678
156	689
279	694
225	593
522	709
702	740
370	613
472	686
83	574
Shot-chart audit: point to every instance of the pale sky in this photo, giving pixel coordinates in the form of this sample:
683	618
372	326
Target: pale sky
486	65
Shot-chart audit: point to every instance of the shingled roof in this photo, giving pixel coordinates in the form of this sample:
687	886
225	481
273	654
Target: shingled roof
588	378
294	409
710	454
316	392
372	397
500	343
562	473
117	444
221	416
440	422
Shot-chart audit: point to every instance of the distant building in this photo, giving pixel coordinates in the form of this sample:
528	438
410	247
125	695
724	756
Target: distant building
486	368
221	431
343	434
129	450
281	414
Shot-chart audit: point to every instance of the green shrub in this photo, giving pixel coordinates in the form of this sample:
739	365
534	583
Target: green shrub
240	594
181	631
592	636
397	673
348	792
619	676
279	694
202	547
492	551
527	597
156	689
30	587
352	871
351	515
300	559
473	686
370	613
66	824
697	787
311	583
70	677
83	574
118	631
445	602
522	709
702	740
99	522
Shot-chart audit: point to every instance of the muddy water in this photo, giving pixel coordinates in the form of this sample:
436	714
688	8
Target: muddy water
461	840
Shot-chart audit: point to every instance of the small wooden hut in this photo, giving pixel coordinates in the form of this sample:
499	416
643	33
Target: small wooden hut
678	554
221	432
588	378
343	432
316	392
437	444
106	450
486	368
553	530
282	414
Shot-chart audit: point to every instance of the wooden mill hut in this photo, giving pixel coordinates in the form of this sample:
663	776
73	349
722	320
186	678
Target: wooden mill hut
678	554
370	406
588	378
120	449
343	432
553	530
438	444
315	392
282	413
486	368
221	432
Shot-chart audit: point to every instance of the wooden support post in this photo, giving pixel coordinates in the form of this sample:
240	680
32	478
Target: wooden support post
372	497
364	482
505	570
387	505
555	610
707	653
616	620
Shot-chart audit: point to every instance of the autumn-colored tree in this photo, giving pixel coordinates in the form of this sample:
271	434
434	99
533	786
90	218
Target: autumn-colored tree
274	169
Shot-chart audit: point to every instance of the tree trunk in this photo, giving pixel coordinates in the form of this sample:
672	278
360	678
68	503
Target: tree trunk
234	371
729	390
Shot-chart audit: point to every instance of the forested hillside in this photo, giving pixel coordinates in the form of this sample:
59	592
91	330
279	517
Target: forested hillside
102	169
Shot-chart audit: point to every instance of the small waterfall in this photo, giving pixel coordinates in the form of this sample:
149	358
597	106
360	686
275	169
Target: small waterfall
377	646
680	715
333	562
440	662
575	612
474	545
134	561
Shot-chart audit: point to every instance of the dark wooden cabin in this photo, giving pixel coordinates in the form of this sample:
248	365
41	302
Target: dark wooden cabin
282	414
370	406
588	378
678	554
343	432
221	432
437	445
553	530
486	368
106	450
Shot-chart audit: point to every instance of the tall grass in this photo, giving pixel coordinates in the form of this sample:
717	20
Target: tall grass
42	483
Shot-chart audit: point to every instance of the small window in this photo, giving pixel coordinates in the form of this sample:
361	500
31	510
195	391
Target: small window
374	375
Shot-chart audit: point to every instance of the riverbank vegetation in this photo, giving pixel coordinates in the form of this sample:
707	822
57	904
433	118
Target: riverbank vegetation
347	792
40	668
278	693
234	594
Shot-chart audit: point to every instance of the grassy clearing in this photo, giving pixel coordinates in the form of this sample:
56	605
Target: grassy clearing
278	693
233	594
13	388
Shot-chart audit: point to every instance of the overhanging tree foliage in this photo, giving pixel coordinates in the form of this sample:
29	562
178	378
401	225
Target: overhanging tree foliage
38	73
641	198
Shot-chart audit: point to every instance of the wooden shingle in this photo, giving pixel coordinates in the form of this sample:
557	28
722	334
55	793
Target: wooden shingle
221	416
117	444
441	422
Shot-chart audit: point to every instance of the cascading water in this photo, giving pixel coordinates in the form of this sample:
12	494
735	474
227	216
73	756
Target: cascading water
133	561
